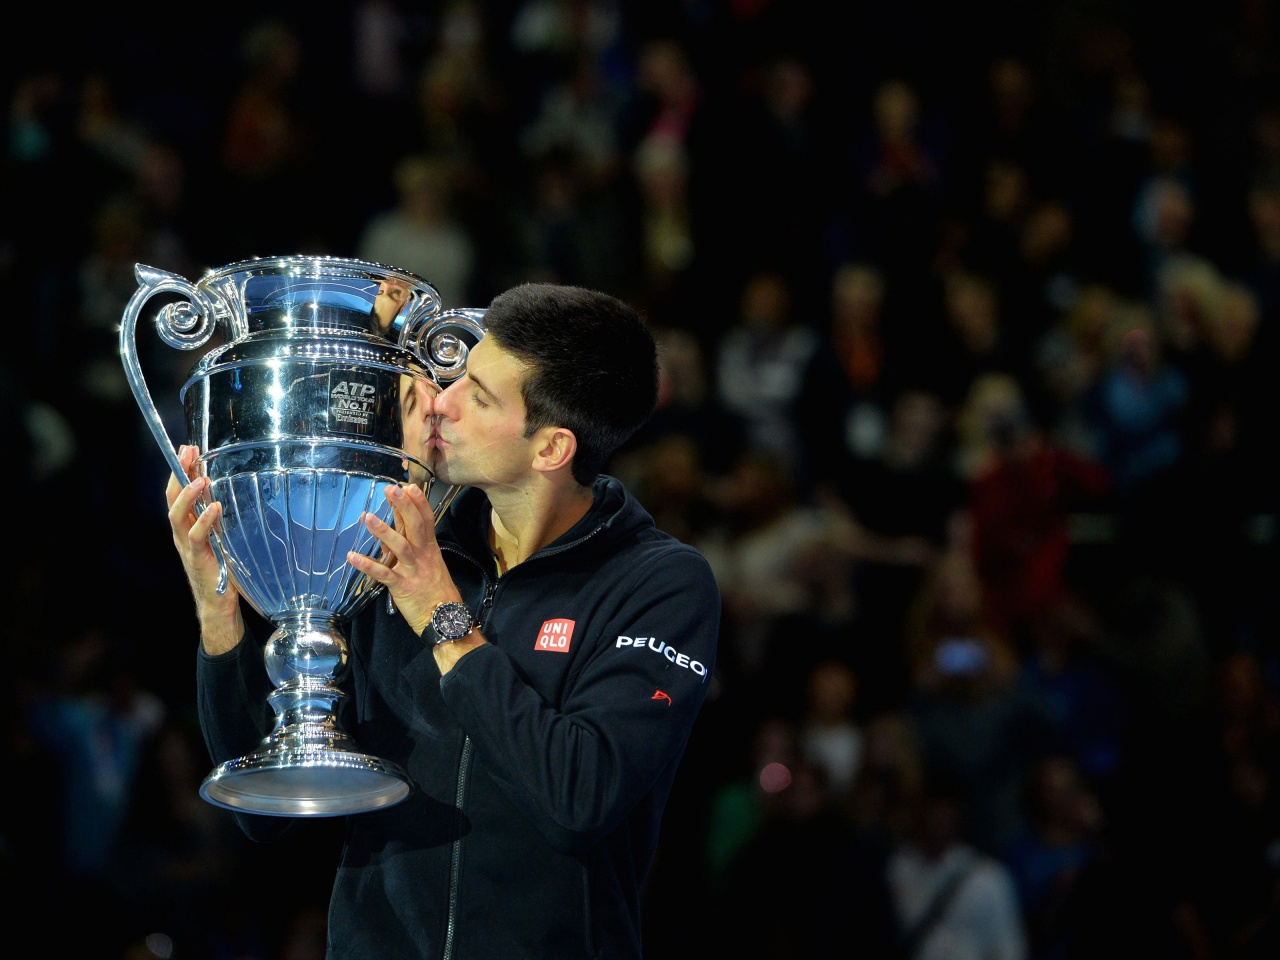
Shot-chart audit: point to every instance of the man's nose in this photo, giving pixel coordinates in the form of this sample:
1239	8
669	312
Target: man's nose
427	392
445	401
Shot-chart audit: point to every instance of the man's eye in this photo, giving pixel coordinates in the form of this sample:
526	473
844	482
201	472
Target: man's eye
475	398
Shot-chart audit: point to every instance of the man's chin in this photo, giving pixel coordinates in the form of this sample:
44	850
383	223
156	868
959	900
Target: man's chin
439	466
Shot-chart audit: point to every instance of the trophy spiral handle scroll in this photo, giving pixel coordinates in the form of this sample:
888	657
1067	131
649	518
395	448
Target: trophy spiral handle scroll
296	413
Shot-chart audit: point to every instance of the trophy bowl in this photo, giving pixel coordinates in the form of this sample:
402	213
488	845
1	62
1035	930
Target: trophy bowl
295	409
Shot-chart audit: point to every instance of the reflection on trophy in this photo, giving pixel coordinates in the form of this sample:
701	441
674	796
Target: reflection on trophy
295	409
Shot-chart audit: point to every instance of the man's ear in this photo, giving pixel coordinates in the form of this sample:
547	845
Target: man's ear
555	450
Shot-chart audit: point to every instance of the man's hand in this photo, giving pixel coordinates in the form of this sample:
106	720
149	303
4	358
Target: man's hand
221	624
412	567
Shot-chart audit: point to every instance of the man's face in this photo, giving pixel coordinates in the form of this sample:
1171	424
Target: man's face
478	438
391	298
417	398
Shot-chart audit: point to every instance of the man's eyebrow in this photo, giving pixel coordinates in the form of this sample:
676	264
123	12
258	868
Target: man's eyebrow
480	384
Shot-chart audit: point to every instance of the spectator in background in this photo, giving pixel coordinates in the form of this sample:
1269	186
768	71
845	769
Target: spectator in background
106	280
1228	869
830	731
660	167
459	106
581	109
463	112
972	339
995	228
41	156
1067	362
803	876
96	722
1022	492
125	232
978	728
565	229
900	511
1067	669
778	122
779	560
1062	837
953	901
675	115
552	37
1047	275
1186	291
1166	199
673	462
1247	708
422	233
1260	267
739	805
1228	469
849	384
1119	118
1136	414
1018	120
380	37
890	776
268	150
760	365
894	186
669	94
661	132
180	860
39	439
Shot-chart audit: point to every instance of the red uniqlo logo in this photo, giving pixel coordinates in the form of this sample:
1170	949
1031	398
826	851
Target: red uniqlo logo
555	636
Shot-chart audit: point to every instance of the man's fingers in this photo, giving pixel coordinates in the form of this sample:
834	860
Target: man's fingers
392	541
172	489
409	506
183	501
187	456
368	566
418	497
399	543
206	521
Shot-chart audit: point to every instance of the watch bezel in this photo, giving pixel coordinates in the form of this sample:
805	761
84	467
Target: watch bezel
451	620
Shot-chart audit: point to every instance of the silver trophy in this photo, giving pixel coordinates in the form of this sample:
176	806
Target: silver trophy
295	408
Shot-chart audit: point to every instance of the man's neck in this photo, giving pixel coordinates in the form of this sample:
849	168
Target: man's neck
520	526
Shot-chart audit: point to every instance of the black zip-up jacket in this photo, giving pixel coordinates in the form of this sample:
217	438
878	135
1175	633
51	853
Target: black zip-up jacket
541	764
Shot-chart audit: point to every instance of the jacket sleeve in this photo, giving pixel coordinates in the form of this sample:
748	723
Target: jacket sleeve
621	725
231	702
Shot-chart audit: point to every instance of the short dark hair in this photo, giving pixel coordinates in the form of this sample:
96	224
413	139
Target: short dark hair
592	365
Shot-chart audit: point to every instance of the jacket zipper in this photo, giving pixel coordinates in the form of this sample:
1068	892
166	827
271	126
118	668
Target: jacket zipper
455	856
464	763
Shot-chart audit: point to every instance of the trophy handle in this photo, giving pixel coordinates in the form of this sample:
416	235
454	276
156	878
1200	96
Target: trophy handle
443	341
185	325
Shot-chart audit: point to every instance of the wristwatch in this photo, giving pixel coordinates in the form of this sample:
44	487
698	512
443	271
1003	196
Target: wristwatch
449	621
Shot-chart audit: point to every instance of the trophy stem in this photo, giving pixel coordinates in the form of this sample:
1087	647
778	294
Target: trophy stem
308	765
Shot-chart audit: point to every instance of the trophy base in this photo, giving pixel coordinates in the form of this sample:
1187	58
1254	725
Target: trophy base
305	783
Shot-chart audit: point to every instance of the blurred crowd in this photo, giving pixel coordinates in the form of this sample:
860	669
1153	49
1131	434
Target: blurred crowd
968	330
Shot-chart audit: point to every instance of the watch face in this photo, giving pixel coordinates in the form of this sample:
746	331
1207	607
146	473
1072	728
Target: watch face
452	621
